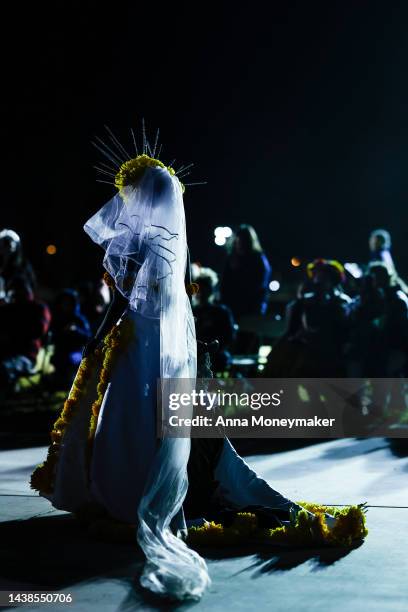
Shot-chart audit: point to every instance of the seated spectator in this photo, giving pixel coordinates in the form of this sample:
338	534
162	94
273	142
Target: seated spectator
379	244
246	276
379	341
70	332
317	326
24	323
380	249
12	262
94	298
214	321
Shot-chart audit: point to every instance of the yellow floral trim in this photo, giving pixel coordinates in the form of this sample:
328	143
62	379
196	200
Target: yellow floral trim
42	479
108	280
114	344
131	171
349	528
192	289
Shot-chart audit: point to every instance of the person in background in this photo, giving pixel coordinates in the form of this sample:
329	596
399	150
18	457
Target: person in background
214	321
380	249
94	298
70	332
379	343
379	244
12	262
317	326
379	346
246	275
24	323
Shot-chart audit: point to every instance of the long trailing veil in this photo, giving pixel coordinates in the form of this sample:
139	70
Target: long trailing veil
142	230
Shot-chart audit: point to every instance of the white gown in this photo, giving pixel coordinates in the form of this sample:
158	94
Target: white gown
134	476
125	440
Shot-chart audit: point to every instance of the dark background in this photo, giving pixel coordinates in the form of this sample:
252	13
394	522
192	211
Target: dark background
295	112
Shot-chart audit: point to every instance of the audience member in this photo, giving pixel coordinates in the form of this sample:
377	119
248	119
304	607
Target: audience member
379	342
214	321
70	332
12	262
247	272
94	298
379	244
24	323
317	326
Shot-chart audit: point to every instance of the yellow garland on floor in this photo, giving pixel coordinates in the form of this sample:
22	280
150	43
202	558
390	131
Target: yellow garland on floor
42	479
349	528
308	532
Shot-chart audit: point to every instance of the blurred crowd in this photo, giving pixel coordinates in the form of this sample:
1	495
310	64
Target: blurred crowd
339	324
342	321
39	337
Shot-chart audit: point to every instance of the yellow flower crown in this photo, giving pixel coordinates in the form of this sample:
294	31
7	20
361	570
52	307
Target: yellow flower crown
123	171
326	262
131	171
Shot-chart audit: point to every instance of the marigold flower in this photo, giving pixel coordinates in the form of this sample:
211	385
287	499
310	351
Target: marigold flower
131	171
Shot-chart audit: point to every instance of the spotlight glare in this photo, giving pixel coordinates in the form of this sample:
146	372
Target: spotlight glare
295	261
354	269
264	350
223	232
274	285
220	240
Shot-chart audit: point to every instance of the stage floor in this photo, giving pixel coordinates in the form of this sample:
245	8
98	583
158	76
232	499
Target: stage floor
49	552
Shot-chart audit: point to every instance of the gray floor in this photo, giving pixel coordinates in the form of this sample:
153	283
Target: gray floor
49	552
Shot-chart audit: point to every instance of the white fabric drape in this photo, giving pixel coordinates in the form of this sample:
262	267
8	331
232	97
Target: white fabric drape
143	233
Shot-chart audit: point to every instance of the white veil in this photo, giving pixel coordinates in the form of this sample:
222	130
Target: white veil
142	230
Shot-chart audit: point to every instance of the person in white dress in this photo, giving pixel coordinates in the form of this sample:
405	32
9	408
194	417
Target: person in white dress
134	476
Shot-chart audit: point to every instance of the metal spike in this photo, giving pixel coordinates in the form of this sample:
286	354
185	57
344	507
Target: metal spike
144	136
104	171
156	140
149	148
117	143
120	160
108	167
107	182
112	159
134	141
183	168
